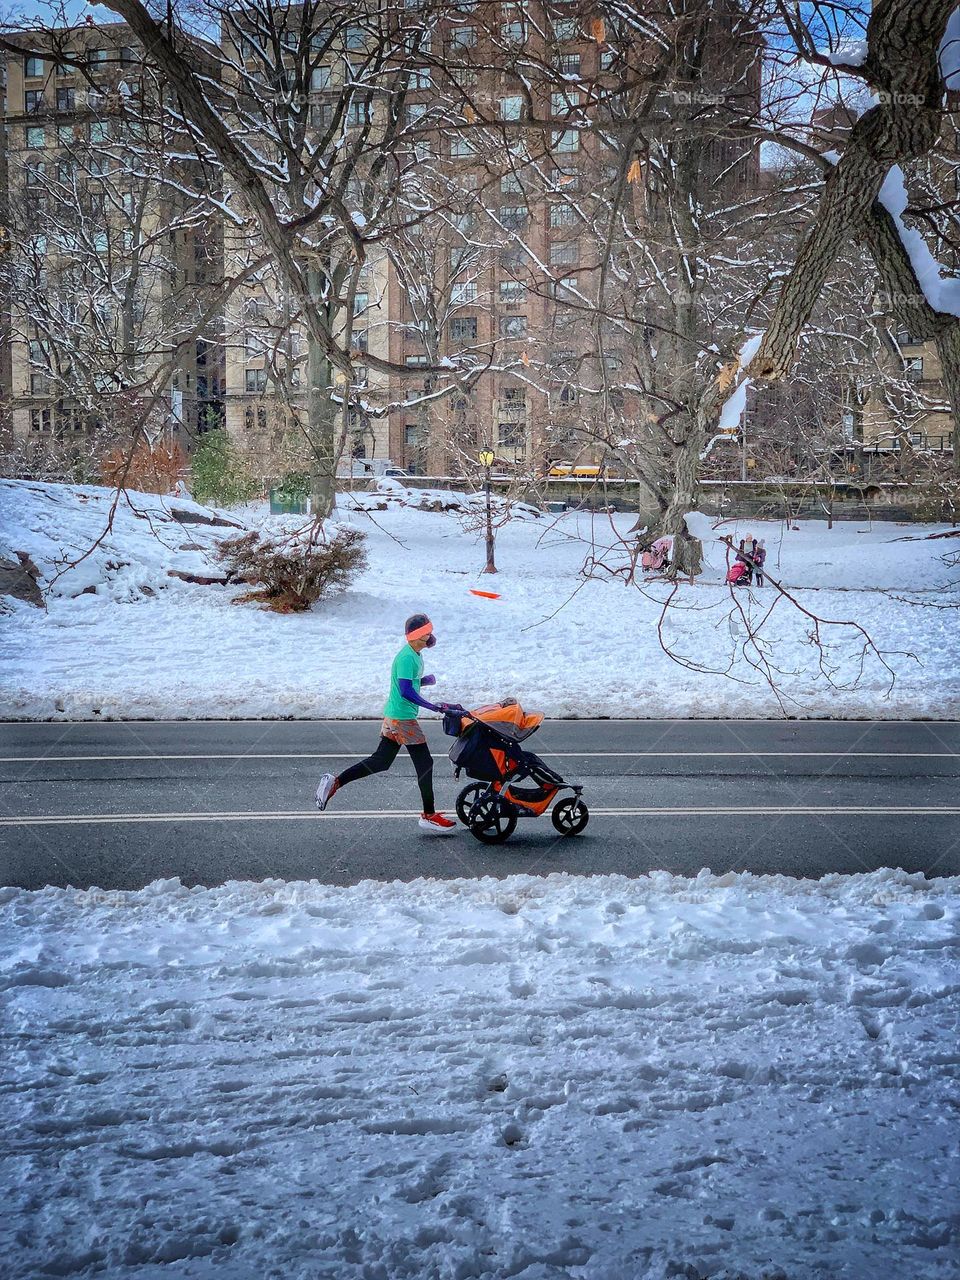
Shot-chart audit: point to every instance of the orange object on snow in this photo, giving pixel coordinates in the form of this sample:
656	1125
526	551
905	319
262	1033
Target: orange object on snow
485	595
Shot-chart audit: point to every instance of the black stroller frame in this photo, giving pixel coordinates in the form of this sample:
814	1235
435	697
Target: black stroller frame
491	806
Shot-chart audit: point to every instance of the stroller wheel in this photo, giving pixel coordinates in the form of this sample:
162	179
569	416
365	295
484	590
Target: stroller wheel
467	798
489	823
570	816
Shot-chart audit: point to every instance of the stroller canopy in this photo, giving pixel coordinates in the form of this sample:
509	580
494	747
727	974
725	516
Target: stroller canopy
508	718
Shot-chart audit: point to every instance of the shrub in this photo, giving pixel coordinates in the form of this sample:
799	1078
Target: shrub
293	576
219	473
150	468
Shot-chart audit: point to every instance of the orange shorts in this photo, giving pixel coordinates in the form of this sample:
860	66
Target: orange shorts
405	732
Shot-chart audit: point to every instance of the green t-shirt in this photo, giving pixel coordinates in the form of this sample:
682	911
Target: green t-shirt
407	665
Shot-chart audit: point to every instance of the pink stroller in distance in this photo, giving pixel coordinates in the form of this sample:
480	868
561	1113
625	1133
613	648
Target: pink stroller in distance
655	560
737	573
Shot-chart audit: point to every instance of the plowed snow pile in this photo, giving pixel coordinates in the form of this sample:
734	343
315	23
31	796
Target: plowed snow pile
539	1078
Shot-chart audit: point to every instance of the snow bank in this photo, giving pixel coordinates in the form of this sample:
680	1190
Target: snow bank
561	645
123	549
542	1078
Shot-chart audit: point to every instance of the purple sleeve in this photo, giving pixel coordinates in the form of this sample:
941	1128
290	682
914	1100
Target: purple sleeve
409	692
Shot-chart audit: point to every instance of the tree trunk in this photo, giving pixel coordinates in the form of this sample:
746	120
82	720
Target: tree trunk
903	64
321	412
687	559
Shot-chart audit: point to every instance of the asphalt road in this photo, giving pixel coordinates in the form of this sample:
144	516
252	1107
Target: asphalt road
120	804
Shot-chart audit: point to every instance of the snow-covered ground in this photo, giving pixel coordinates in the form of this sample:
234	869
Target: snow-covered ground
547	1079
123	638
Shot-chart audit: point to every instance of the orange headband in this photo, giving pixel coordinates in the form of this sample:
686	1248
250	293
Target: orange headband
425	630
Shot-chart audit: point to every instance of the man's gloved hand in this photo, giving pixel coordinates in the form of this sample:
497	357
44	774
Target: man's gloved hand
450	706
426	680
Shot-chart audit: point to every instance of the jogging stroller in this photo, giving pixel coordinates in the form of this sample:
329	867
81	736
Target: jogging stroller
488	749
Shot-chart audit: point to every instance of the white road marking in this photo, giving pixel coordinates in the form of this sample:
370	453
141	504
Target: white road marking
556	755
780	811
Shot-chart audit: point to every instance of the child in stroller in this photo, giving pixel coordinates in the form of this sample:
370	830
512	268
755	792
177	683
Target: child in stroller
488	749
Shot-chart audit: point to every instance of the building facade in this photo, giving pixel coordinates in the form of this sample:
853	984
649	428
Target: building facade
107	268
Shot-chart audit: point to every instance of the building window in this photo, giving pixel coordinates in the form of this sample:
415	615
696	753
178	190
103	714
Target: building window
36	136
904	337
568	394
461	257
569	64
512	290
562	288
33	101
33	173
354	40
513	397
514	216
510	182
256	380
97	58
39	384
420	78
361	301
512	32
511	433
463	291
32	67
361	375
561	103
913	368
361	339
65	100
565	28
562	215
255	417
463	38
564	253
463	329
511	108
513	326
460	145
40	419
567	141
413	361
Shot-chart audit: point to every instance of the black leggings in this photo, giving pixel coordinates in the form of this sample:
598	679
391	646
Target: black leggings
383	758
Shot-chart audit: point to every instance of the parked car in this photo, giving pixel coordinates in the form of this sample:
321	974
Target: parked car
369	469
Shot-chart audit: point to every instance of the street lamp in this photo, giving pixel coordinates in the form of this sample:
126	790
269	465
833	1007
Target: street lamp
487	458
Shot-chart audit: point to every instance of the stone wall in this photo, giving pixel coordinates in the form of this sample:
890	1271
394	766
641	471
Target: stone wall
740	498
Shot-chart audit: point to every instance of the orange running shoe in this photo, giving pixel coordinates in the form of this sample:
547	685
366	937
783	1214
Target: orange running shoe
437	824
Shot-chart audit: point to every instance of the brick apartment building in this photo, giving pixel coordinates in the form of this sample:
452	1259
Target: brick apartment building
509	259
106	273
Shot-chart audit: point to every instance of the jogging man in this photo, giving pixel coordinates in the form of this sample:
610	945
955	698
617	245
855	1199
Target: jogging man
400	728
